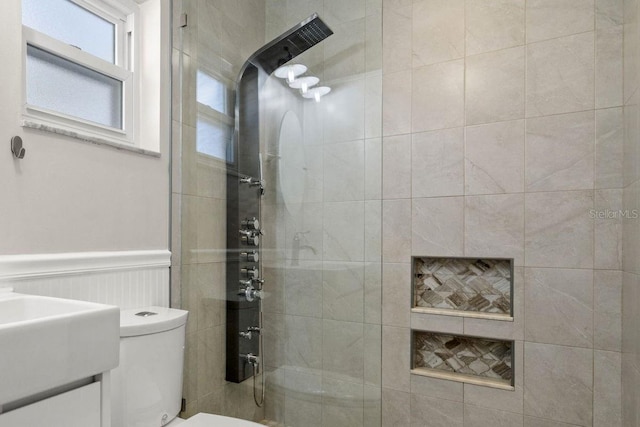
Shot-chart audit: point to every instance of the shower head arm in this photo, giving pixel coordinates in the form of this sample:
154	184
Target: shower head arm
288	45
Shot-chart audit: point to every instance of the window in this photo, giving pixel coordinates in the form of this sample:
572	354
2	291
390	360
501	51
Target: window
79	62
215	117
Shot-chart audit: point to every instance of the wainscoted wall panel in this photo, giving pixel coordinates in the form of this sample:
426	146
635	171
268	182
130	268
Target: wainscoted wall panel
530	106
126	279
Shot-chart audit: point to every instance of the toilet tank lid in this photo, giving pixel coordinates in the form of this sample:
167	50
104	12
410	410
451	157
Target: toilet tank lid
150	320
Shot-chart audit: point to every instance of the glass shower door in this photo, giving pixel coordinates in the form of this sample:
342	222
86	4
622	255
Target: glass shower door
321	215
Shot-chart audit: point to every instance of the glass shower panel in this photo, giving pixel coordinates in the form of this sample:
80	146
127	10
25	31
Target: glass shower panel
320	215
322	221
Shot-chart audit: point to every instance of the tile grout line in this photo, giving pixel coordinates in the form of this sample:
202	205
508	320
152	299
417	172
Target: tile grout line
524	215
464	135
594	206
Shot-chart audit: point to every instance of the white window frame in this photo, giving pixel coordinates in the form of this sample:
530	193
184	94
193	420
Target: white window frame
124	15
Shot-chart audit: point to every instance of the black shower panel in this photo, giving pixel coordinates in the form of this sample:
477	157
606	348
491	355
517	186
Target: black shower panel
244	190
244	279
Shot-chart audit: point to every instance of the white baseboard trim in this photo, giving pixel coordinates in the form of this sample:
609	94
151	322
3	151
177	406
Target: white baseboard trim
15	267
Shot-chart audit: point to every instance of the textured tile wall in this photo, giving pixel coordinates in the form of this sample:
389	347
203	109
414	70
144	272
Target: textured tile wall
502	132
219	37
630	199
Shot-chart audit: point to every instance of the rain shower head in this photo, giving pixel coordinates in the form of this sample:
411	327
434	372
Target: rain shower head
292	43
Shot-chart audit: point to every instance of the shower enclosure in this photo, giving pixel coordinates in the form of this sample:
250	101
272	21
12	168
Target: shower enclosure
245	188
310	173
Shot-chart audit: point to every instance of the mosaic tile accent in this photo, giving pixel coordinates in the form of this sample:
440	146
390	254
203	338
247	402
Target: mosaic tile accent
478	357
463	284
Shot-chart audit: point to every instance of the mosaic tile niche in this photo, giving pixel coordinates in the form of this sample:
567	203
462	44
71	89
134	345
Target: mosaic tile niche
463	286
462	358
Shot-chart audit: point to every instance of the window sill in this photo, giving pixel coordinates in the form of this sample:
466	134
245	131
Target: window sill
85	137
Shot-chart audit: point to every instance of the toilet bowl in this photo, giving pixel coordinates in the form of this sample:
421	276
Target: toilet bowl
146	388
210	420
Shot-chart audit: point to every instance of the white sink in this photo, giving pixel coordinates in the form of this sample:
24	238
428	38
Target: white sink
49	342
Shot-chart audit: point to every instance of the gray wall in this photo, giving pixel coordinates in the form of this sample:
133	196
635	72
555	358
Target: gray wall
71	196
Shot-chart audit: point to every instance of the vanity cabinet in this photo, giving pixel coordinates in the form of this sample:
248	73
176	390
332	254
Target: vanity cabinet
76	408
84	406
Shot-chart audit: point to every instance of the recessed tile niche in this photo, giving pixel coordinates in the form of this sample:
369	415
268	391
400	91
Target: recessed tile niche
481	361
473	287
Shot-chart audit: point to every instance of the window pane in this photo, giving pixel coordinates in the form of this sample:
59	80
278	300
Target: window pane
60	85
71	24
213	139
212	92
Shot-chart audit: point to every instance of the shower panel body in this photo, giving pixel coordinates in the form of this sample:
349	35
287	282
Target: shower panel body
243	232
244	190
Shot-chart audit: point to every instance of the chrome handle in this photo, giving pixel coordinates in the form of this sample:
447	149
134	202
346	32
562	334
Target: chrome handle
250	256
251	359
250	237
254	295
250	282
251	223
250	331
252	182
250	293
251	273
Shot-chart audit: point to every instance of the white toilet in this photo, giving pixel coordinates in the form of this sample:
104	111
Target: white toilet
146	388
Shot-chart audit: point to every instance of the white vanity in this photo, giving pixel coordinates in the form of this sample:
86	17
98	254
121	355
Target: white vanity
55	358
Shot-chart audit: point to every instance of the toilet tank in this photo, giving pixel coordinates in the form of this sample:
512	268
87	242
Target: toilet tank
146	388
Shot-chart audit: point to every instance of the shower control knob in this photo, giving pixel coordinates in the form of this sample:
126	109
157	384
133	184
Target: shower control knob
253	295
250	332
251	359
251	224
251	273
250	238
250	256
251	181
250	293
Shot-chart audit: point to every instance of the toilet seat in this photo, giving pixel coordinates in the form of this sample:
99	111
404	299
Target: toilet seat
210	420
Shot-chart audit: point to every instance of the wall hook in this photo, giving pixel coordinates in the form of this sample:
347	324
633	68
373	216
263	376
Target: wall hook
16	147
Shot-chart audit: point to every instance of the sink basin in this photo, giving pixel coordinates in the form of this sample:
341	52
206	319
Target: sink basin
50	342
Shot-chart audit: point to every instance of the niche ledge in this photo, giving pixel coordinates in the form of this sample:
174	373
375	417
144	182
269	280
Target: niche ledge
469	314
461	378
466	287
473	360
